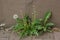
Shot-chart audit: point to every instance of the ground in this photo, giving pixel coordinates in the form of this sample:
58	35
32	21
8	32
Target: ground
8	35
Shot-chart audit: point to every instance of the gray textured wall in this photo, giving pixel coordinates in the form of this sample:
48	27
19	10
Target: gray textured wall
10	7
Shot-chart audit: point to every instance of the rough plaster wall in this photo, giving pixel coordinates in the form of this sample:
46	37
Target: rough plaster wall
0	12
10	7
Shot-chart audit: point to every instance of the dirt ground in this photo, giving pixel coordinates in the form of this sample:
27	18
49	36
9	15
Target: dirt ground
8	35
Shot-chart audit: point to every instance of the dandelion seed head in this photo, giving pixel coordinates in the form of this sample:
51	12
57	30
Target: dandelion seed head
15	16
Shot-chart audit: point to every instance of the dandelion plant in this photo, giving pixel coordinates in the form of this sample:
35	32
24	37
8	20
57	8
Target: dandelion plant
27	26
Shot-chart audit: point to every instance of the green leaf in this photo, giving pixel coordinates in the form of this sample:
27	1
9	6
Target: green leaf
39	27
34	32
47	16
44	29
49	24
18	27
21	34
36	22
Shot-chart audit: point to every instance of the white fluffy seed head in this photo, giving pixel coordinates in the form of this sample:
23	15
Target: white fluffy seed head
15	16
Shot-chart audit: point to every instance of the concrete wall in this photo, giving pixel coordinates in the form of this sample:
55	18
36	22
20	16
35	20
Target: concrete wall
10	7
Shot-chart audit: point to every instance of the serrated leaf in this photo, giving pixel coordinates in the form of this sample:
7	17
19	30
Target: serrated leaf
18	27
39	27
49	24
47	16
